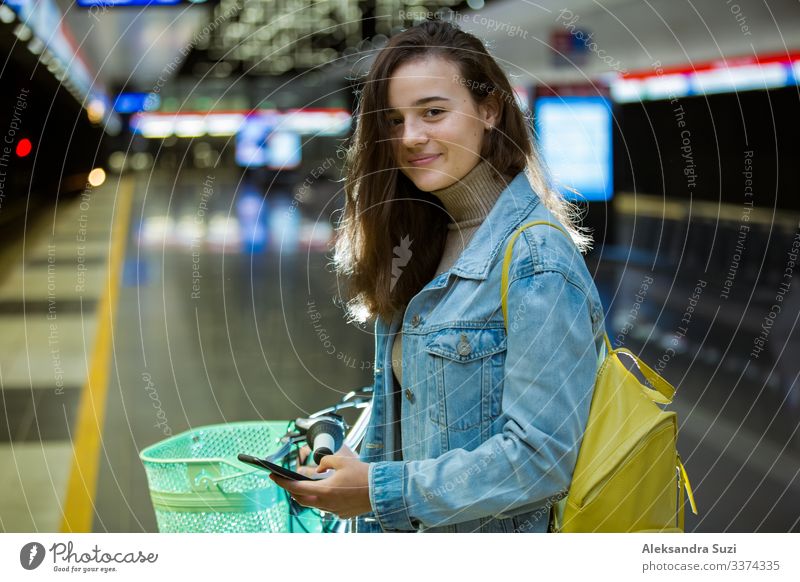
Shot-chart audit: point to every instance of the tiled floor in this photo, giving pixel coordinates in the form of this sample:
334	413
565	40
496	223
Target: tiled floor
33	479
36	354
53	275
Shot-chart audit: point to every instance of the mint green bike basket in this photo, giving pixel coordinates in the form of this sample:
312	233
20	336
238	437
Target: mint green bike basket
198	485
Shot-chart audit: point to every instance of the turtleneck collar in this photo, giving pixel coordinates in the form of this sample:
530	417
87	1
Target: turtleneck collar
469	200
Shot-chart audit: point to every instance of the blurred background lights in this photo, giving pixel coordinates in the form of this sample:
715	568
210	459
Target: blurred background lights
24	147
97	177
116	161
22	32
96	110
6	14
190	126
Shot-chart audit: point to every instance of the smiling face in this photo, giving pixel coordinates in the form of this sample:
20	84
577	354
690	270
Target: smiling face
437	129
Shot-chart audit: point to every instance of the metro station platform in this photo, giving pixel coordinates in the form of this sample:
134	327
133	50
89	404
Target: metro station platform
149	306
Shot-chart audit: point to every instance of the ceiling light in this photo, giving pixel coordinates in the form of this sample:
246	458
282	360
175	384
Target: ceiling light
6	14
22	32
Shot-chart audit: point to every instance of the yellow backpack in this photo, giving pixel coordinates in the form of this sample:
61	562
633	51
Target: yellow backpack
628	476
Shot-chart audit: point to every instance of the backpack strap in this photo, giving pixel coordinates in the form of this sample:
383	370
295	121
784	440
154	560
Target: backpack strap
685	481
507	266
664	391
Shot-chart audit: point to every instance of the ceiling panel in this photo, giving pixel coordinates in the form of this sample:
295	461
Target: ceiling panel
134	46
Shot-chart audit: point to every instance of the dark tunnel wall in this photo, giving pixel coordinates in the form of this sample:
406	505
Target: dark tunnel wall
65	145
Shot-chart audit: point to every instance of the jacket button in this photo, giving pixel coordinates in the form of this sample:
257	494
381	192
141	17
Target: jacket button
409	395
415	320
464	349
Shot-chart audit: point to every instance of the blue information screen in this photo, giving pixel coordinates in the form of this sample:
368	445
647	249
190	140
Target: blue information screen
259	143
575	136
109	3
134	102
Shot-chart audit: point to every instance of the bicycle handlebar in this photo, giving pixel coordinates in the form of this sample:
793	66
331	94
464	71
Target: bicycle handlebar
358	430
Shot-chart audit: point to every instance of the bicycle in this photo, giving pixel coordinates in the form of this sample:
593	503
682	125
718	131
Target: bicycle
198	485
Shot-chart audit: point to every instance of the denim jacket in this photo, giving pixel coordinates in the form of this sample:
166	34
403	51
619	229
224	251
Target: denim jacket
491	419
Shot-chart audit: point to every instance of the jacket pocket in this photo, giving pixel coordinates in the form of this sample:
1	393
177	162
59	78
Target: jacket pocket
466	366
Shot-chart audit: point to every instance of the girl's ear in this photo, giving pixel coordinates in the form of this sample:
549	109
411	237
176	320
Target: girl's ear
490	112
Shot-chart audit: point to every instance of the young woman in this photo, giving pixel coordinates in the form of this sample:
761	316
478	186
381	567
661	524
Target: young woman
475	425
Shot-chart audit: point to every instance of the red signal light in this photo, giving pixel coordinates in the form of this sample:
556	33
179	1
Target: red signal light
24	147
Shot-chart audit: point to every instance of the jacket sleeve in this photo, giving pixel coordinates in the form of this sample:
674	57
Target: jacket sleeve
550	368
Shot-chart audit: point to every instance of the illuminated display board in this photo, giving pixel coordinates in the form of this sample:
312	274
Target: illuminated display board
313	122
722	76
111	3
135	102
575	136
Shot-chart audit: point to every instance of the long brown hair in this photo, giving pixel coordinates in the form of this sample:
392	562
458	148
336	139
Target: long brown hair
387	220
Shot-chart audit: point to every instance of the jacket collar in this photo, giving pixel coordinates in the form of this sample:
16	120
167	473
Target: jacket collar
514	204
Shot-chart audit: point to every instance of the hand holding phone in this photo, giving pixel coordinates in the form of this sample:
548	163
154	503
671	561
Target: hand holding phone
282	471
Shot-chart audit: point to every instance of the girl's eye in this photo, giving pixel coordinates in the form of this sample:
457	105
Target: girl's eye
394	122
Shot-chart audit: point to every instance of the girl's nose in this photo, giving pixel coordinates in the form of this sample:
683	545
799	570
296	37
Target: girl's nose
413	134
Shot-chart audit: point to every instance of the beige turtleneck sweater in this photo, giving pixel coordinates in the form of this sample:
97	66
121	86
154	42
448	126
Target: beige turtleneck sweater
468	202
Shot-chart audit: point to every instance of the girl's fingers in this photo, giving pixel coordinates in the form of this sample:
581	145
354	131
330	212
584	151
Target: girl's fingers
306	500
293	487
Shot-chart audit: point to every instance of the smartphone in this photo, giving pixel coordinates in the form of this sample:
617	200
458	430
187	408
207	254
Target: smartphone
280	471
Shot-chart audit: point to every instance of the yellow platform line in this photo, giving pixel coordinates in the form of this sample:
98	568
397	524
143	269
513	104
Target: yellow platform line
88	433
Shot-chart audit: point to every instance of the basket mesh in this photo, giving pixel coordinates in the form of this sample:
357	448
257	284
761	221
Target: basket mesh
188	463
273	519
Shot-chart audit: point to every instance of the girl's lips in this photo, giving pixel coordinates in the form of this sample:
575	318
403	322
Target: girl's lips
424	161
